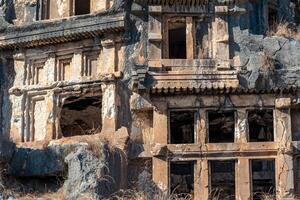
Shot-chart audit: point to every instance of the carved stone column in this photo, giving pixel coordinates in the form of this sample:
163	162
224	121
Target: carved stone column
160	132
155	36
243	179
109	51
221	37
202	177
241	126
109	107
284	161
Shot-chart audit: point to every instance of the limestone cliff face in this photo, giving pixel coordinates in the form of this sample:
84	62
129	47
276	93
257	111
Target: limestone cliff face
268	62
87	98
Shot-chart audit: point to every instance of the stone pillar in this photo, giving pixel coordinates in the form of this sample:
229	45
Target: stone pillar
76	66
160	124
190	40
243	188
50	67
202	129
30	12
16	98
284	161
109	51
17	126
51	108
221	37
19	67
241	135
160	174
160	132
202	178
109	108
155	36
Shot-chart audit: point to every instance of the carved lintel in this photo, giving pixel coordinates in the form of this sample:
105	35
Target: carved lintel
155	37
157	10
221	10
284	102
19	56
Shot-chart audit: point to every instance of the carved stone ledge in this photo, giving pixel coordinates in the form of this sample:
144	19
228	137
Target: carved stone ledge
60	31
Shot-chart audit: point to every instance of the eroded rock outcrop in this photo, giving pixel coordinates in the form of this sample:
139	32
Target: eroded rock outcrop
87	174
268	62
91	168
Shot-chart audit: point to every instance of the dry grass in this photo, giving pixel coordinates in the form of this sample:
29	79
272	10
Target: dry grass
140	195
284	30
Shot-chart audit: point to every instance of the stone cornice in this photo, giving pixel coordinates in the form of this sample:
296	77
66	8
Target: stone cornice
59	31
220	90
67	85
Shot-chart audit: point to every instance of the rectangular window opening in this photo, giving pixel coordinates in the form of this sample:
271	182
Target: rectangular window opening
297	176
90	64
295	122
45	9
261	128
38	74
221	126
64	70
81	115
177	38
182	178
182	127
82	7
222	180
263	179
297	13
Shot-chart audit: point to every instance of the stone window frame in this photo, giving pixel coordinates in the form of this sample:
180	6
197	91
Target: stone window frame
235	110
247	122
43	10
235	159
33	66
60	61
190	20
297	174
271	158
87	57
60	96
196	121
169	172
72	7
292	111
28	133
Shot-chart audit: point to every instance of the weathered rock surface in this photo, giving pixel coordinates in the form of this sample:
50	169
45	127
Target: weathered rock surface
6	151
268	62
87	174
39	163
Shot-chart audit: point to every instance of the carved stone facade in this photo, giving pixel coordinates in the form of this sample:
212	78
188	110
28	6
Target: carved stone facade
196	88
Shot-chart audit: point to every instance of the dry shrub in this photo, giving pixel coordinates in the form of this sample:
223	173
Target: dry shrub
96	148
285	30
142	195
